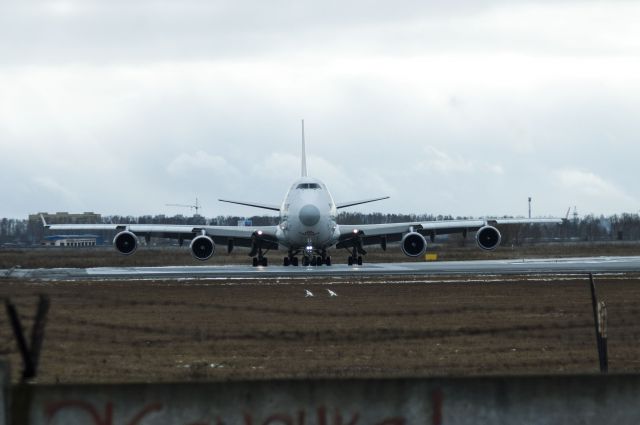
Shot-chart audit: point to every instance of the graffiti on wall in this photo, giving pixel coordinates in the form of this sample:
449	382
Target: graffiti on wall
104	415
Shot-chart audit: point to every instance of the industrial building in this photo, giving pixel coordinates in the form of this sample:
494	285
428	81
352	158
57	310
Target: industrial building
66	218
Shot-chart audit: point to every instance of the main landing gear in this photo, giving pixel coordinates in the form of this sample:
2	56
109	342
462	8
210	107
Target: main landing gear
290	261
354	258
260	259
260	262
316	260
307	260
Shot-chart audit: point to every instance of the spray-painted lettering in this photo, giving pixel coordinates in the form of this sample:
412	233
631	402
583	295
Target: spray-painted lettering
104	415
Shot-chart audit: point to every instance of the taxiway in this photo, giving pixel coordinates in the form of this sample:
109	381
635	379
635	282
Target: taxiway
483	267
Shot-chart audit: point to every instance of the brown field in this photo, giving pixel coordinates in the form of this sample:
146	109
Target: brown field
152	331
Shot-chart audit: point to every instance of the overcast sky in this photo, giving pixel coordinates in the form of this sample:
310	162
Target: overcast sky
450	107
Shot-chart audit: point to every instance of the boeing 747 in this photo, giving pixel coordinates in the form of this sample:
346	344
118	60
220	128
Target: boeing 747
307	229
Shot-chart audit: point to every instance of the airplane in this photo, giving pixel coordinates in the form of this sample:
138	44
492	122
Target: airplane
307	228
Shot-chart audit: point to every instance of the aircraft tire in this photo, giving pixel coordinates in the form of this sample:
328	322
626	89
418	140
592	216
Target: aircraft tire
327	261
264	262
350	261
255	261
359	260
286	262
294	261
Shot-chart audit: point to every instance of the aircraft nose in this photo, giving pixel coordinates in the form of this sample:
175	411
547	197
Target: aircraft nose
309	215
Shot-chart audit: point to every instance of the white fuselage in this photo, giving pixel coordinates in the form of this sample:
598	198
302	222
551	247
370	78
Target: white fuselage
308	217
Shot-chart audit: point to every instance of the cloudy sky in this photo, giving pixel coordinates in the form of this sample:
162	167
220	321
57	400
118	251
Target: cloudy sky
450	107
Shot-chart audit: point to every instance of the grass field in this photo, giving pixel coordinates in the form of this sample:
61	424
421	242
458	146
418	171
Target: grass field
174	256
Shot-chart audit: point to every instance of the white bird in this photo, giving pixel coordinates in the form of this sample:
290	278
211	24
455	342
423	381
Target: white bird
331	293
308	293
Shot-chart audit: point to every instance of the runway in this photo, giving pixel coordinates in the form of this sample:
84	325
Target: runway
483	267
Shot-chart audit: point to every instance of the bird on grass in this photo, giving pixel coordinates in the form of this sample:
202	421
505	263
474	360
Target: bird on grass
331	293
308	293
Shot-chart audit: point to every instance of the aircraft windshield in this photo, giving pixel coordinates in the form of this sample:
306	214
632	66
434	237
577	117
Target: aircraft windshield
308	186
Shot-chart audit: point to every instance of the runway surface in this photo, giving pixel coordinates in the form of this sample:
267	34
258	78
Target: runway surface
522	266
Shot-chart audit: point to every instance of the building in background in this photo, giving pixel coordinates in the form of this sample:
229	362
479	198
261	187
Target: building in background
66	218
36	229
73	240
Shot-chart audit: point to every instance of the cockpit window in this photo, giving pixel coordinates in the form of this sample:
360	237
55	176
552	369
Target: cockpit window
308	186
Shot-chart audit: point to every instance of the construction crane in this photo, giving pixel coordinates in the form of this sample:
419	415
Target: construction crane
575	214
196	207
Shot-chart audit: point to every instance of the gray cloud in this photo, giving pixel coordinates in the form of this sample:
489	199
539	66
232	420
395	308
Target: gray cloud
449	107
103	32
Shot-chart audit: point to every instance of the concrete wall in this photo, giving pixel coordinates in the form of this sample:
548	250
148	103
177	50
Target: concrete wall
528	400
5	378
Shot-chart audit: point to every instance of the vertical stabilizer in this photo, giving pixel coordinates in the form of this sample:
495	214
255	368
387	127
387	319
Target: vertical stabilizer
304	155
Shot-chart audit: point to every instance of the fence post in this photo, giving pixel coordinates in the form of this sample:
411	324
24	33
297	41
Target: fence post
602	331
599	321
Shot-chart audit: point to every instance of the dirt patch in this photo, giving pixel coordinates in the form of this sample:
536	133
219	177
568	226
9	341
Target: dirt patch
153	331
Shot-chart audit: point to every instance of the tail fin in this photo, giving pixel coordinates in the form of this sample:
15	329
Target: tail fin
304	154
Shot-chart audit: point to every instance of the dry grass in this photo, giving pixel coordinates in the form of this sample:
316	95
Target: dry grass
107	256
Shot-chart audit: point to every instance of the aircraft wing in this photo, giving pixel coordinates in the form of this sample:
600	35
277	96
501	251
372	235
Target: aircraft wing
271	207
370	234
221	235
362	201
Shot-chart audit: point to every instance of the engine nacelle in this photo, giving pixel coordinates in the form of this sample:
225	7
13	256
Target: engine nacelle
413	244
126	242
488	238
202	247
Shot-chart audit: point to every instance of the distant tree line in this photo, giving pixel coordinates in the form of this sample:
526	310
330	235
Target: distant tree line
587	228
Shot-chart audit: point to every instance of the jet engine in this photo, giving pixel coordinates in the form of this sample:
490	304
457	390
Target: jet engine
413	244
126	242
202	247
488	238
